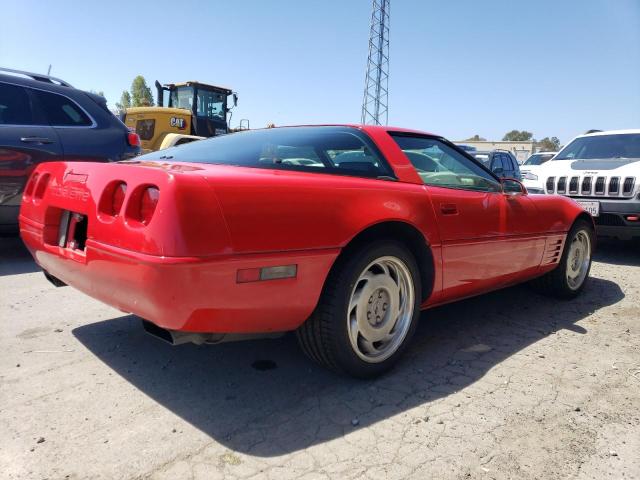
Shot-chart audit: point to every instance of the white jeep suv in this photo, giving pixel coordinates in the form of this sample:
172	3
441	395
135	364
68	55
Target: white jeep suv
600	171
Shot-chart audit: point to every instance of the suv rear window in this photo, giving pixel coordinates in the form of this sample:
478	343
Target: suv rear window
61	111
15	106
338	150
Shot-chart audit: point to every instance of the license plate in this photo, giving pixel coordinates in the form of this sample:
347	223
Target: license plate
592	207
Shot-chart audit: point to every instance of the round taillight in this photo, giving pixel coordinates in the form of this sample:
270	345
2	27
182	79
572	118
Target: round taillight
41	186
32	182
117	199
148	203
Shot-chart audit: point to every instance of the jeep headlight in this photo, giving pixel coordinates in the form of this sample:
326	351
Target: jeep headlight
530	176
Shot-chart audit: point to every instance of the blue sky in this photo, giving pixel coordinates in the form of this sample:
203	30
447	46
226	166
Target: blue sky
457	67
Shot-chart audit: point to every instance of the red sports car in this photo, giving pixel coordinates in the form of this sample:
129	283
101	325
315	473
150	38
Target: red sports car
341	233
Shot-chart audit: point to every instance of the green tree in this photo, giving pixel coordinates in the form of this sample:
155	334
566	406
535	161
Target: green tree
141	95
518	136
125	102
476	138
549	144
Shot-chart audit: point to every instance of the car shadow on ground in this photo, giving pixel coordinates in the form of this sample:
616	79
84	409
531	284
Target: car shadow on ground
618	252
265	398
14	256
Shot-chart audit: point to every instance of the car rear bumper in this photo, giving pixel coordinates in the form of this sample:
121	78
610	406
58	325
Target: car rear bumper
194	294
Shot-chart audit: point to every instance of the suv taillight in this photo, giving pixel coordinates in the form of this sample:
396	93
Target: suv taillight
133	139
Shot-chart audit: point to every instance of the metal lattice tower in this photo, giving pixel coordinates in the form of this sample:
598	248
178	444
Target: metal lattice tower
376	85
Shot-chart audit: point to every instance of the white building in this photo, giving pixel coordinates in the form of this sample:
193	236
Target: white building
521	150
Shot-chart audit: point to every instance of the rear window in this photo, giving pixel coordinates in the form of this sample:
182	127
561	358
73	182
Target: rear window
145	128
338	150
61	111
15	106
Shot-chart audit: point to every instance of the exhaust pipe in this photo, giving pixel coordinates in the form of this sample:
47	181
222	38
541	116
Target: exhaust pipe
55	280
160	93
175	337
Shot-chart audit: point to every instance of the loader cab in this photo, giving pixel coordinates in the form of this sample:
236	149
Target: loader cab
208	104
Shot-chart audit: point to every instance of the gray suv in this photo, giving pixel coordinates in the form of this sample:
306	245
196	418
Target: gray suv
501	162
43	119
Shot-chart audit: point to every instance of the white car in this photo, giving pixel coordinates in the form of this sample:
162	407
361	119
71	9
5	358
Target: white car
530	171
601	171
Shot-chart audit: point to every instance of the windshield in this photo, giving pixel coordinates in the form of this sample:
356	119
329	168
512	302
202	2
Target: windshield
340	150
210	104
602	146
538	158
182	97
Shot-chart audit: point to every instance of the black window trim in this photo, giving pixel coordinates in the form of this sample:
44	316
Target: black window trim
401	133
37	107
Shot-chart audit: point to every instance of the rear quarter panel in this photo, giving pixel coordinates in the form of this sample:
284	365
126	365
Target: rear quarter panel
269	210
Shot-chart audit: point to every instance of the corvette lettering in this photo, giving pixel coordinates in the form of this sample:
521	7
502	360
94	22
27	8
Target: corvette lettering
70	192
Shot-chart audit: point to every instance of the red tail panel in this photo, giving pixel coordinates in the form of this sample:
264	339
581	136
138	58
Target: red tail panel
186	220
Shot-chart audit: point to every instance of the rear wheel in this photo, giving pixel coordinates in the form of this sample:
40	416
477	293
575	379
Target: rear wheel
367	313
570	276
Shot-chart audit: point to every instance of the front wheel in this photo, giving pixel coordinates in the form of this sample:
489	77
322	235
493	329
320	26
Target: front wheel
570	276
367	313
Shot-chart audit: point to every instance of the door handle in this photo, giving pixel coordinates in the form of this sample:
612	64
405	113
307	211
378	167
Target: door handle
36	140
449	208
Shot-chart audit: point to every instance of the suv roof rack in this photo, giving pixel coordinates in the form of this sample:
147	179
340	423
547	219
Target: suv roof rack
38	76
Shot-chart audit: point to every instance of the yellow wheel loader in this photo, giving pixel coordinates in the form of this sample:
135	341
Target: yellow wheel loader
189	111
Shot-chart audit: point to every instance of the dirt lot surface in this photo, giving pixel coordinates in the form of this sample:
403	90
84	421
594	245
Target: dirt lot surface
507	385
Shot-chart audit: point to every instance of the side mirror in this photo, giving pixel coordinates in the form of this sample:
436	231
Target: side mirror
511	186
235	100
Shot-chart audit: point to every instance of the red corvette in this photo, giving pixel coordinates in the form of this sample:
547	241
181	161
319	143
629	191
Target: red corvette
341	233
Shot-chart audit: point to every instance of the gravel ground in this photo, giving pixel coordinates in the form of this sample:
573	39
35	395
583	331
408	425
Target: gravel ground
507	385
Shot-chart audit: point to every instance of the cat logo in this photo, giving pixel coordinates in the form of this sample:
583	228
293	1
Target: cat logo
178	122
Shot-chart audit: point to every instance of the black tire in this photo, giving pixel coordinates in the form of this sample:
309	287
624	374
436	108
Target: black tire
324	337
556	282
